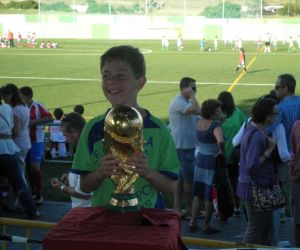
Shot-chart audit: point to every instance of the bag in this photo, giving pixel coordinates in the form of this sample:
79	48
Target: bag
224	190
235	155
276	158
266	199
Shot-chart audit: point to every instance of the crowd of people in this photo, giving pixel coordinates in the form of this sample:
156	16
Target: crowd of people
265	155
181	159
266	45
22	139
7	40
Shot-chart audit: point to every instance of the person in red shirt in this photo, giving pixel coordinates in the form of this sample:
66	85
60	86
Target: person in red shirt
242	61
10	37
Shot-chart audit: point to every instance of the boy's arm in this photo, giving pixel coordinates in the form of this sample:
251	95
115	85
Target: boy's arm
46	116
42	120
161	182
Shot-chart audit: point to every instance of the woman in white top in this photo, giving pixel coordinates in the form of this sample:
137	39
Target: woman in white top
9	160
11	96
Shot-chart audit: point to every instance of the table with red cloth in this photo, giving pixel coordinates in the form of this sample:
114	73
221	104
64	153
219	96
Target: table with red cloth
96	228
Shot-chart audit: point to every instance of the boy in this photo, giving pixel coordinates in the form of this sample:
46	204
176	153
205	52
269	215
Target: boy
72	125
38	116
123	76
242	61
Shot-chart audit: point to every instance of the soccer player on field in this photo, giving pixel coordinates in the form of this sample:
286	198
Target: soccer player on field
242	61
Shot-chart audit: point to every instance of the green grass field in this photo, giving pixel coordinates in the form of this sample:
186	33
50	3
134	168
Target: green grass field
70	75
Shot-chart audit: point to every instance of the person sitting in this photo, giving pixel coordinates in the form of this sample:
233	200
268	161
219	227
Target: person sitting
43	45
72	125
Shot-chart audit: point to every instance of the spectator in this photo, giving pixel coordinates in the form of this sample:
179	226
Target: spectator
289	104
230	127
79	109
57	139
294	166
289	112
182	117
210	145
9	160
123	76
72	125
38	116
256	166
11	95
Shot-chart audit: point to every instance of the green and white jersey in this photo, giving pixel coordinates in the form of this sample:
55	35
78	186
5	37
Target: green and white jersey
159	147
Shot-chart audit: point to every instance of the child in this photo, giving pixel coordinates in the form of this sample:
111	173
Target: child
72	125
57	139
123	76
242	61
43	45
20	40
79	109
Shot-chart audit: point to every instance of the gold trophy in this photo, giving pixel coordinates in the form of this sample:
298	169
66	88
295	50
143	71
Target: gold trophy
123	136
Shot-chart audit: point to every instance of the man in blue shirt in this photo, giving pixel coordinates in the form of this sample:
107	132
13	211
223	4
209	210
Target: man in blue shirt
182	116
289	105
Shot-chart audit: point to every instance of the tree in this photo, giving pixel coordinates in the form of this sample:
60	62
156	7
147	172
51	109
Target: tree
232	10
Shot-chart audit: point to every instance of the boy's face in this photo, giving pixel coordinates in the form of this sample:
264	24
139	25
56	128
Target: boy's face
26	99
119	84
72	136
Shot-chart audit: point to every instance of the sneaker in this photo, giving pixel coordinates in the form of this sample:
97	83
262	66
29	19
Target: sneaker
39	201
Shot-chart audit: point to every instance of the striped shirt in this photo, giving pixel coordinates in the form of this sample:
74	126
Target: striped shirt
289	112
37	111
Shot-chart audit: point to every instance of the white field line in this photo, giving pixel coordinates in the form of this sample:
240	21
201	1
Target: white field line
149	81
54	52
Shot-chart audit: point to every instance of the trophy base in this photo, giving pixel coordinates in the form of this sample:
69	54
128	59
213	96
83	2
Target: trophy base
123	203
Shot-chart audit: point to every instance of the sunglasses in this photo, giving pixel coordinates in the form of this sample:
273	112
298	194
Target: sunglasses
194	89
278	87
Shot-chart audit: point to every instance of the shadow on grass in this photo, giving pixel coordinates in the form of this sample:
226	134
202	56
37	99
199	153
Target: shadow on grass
256	71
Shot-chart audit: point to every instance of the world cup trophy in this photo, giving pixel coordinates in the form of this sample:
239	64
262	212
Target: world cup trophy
123	136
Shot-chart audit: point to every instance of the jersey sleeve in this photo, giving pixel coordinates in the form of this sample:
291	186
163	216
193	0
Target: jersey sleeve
168	159
82	161
43	111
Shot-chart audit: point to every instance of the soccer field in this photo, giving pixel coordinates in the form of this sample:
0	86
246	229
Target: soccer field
70	74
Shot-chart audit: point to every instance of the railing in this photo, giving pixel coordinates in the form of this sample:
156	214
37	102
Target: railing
187	240
23	223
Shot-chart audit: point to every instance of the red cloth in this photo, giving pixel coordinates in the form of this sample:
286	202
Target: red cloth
97	228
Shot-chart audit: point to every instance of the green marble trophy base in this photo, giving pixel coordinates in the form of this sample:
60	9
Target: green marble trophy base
123	203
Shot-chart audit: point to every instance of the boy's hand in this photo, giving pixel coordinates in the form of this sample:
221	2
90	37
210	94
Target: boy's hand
109	166
56	183
140	162
65	177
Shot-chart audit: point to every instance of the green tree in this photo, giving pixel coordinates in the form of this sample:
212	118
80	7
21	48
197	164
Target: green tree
232	10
